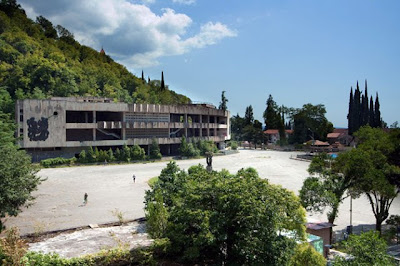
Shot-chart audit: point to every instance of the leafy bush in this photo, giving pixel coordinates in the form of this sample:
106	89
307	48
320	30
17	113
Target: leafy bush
57	161
137	153
12	248
219	218
234	145
155	150
305	255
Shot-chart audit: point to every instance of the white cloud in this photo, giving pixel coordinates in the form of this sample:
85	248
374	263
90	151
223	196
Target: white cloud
131	33
184	2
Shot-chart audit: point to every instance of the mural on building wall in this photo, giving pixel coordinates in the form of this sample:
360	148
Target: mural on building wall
38	130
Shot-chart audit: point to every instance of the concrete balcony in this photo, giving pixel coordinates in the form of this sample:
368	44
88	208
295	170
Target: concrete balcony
80	125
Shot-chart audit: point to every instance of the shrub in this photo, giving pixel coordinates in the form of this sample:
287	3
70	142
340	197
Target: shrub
234	145
82	157
126	153
57	161
305	255
155	150
110	155
137	153
12	248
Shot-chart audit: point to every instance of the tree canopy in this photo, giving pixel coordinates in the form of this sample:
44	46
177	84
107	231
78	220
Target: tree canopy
223	218
223	103
17	181
310	123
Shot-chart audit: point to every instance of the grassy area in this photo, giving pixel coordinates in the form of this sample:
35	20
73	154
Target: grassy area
152	181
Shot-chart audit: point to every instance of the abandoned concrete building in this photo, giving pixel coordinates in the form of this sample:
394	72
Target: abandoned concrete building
64	126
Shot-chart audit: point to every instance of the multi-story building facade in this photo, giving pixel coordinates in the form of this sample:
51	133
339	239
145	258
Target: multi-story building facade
66	126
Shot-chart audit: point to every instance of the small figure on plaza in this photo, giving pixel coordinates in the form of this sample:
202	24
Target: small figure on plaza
209	161
85	199
134	178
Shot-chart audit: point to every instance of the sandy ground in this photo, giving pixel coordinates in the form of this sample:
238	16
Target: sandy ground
59	198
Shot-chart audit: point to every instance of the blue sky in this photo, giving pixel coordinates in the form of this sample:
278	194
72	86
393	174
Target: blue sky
298	51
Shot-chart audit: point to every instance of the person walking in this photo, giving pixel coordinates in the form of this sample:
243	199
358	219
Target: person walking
85	198
134	178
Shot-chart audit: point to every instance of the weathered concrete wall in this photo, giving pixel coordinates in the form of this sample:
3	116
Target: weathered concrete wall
44	121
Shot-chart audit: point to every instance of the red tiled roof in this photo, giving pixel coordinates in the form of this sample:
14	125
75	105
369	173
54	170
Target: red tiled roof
271	131
340	130
333	135
276	131
320	143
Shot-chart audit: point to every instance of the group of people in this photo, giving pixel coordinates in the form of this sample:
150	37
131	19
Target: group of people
85	196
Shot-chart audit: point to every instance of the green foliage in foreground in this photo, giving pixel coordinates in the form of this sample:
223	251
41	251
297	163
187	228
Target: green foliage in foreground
13	251
365	249
306	255
17	181
223	218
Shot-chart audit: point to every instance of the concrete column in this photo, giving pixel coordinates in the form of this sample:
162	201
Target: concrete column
123	129
86	117
201	126
94	129
185	124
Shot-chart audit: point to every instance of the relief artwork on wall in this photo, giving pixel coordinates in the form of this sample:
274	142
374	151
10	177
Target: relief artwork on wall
38	130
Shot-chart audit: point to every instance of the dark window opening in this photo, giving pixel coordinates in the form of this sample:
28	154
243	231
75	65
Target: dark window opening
79	116
177	118
109	134
55	113
21	118
79	135
109	116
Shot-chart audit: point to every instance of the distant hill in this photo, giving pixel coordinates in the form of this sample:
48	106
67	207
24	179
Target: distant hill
39	60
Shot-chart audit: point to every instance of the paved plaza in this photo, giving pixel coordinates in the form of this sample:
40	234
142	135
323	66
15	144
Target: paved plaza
59	199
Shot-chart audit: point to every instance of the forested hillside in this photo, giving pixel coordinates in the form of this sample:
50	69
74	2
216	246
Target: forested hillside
40	60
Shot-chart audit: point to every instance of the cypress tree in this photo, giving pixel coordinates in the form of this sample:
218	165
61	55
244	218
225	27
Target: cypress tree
148	80
350	115
162	81
357	109
371	113
365	106
377	120
142	76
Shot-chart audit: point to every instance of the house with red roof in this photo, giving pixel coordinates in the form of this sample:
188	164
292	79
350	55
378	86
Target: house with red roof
273	135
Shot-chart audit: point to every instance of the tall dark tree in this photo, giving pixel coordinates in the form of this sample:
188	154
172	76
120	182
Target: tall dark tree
162	81
361	112
248	116
350	116
142	75
378	122
371	113
365	108
47	27
357	109
224	100
272	117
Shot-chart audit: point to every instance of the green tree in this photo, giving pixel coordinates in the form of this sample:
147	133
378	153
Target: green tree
248	116
155	150
373	172
326	187
366	249
272	117
227	219
237	125
224	100
310	123
17	180
306	255
137	153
